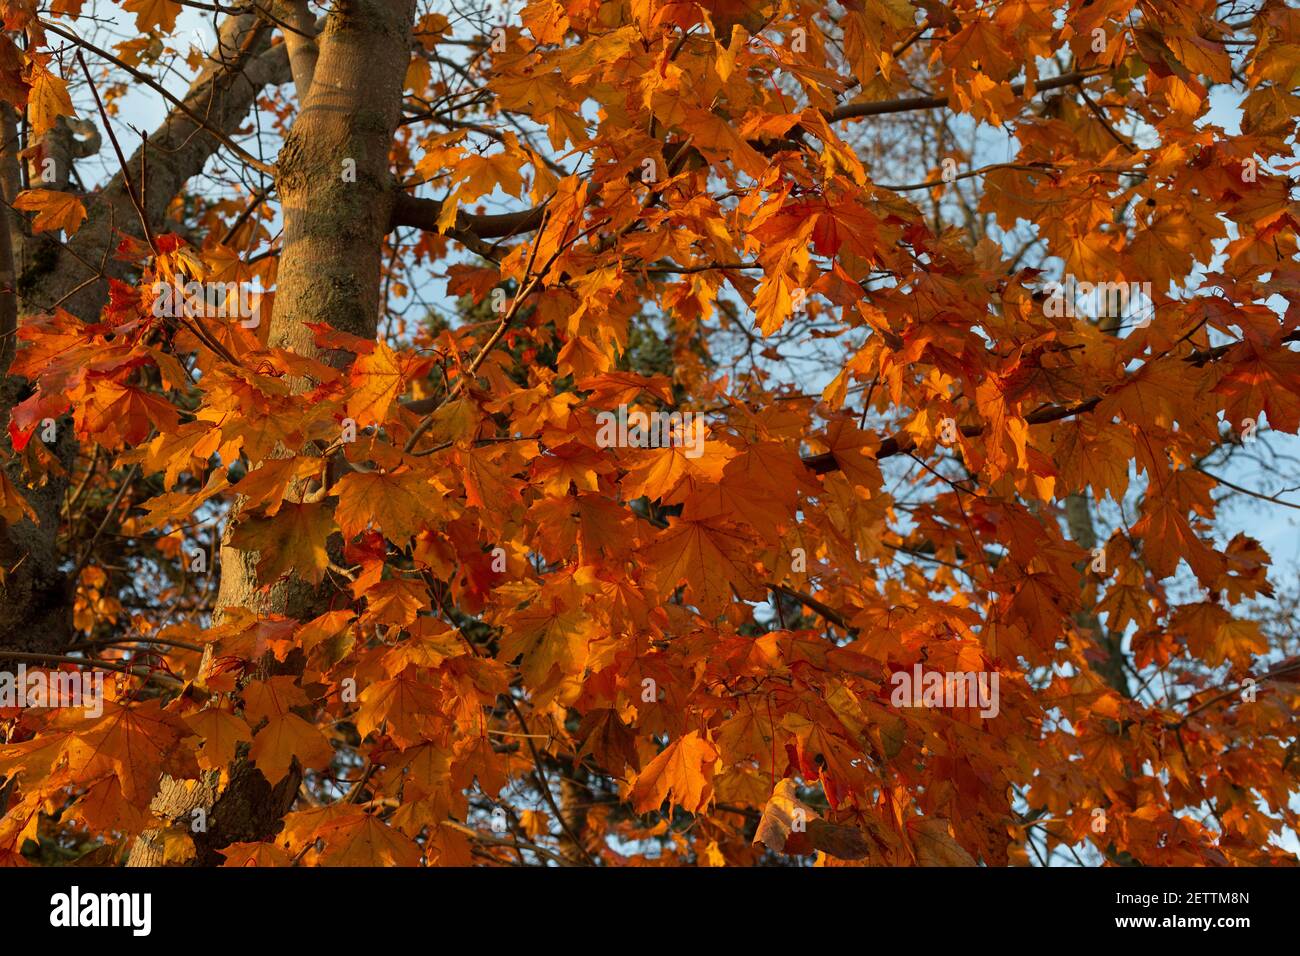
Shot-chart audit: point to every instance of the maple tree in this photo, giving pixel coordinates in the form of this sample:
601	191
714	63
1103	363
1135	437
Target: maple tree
370	590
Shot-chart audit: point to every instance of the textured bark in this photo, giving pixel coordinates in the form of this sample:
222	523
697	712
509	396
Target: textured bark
35	594
11	176
248	809
35	598
333	228
8	296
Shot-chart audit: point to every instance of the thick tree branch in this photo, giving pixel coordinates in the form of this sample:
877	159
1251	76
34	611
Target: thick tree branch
299	30
912	103
424	214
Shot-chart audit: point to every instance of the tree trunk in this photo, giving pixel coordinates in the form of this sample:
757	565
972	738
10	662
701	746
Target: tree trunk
330	265
334	227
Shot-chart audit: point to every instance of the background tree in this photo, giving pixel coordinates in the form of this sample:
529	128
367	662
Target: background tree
371	588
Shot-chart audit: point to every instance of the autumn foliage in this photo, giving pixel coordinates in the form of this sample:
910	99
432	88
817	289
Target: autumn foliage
370	588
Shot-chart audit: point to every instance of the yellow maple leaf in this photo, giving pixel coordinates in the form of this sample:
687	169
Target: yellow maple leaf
284	738
54	210
13	506
363	840
547	637
394	503
136	743
399	705
222	733
683	771
47	101
710	558
255	854
154	15
376	381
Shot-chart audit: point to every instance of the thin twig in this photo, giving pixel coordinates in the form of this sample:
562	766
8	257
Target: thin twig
145	673
138	203
544	787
